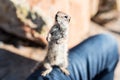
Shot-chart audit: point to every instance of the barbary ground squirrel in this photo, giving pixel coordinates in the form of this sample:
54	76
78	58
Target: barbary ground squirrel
57	54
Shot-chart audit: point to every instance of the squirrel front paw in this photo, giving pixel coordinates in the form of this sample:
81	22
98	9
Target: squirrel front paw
48	68
60	41
65	71
44	73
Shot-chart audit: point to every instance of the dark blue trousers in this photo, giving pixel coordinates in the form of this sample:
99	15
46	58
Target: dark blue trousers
93	59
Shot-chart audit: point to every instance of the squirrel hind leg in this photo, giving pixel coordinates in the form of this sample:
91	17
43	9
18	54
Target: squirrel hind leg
48	68
64	70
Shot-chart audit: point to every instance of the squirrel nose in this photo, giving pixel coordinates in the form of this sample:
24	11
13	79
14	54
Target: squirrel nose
69	20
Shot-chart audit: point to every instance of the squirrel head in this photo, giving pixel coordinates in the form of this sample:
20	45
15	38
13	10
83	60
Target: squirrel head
62	18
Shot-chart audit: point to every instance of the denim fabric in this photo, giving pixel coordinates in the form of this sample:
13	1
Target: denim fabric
93	59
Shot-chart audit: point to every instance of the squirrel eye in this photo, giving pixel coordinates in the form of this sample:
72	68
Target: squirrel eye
66	16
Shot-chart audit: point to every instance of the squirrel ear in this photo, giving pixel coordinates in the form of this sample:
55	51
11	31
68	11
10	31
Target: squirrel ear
59	12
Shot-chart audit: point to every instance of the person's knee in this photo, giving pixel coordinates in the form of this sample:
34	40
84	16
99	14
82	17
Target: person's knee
107	39
112	48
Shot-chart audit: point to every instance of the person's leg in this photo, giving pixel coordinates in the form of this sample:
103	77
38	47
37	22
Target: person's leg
95	58
87	60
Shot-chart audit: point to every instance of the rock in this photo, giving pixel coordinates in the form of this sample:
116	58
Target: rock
113	25
107	11
118	5
107	5
17	19
105	17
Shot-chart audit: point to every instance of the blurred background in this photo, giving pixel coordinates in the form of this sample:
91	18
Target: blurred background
24	25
